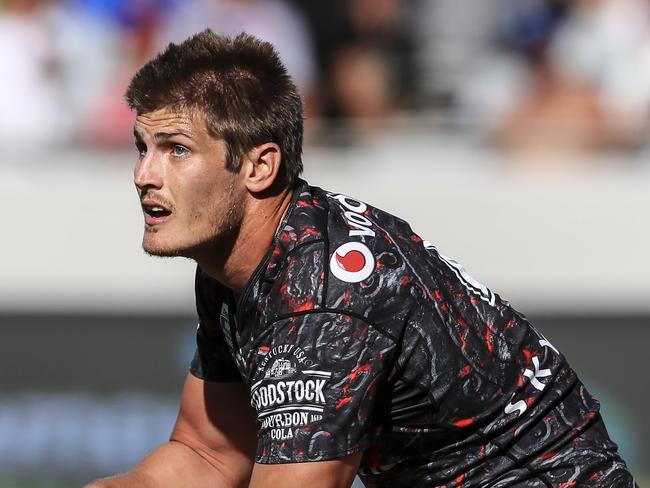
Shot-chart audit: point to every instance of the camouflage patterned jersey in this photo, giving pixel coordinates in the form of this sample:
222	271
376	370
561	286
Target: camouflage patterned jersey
354	334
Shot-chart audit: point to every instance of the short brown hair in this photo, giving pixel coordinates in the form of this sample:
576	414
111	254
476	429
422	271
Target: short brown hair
238	84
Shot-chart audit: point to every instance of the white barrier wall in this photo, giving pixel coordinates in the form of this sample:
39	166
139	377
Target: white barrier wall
575	240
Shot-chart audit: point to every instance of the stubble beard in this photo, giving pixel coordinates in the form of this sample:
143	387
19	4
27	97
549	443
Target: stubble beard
219	240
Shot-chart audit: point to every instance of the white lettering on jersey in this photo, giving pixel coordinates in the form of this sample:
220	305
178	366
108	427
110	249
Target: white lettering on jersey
469	282
300	394
520	407
289	393
545	343
538	373
360	224
288	383
532	375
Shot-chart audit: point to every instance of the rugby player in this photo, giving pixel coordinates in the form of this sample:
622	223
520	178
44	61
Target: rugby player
332	339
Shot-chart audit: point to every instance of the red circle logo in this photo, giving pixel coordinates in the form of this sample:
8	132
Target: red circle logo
352	262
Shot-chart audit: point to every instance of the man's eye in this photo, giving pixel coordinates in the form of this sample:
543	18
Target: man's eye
179	150
142	149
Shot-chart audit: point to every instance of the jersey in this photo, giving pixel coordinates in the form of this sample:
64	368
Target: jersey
354	334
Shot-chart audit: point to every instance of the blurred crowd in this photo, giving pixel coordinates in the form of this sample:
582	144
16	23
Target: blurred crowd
567	76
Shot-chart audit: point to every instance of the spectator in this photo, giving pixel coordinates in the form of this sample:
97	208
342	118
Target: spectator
108	121
455	41
557	114
591	73
272	20
30	73
606	44
364	52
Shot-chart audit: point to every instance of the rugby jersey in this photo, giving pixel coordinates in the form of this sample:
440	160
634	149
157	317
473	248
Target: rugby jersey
356	334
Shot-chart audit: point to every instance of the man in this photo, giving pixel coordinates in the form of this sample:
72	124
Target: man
358	346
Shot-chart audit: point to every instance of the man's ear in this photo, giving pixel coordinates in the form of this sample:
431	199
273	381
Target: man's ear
261	166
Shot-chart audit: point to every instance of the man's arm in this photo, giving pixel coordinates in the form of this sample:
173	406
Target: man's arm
212	444
338	473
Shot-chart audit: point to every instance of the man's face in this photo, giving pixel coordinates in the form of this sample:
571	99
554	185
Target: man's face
191	202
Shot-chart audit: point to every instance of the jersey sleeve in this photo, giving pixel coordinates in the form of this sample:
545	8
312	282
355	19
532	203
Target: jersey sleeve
317	381
213	360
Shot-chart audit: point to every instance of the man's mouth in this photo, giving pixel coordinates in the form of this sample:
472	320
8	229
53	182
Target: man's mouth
155	213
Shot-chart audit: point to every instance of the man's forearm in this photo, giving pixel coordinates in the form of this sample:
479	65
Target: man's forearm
126	480
172	465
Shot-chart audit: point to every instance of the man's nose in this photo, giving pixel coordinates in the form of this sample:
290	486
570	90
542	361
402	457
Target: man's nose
148	173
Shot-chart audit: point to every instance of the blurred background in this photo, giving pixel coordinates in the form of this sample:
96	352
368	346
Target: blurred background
513	134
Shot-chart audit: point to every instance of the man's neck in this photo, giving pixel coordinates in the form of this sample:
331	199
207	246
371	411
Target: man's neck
258	228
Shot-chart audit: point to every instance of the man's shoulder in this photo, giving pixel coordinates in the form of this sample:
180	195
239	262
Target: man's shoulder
356	258
343	256
338	219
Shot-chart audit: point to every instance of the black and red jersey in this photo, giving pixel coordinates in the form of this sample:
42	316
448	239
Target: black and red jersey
355	334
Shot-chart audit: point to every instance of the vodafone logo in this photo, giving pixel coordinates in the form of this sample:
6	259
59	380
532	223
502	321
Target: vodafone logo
359	224
352	262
